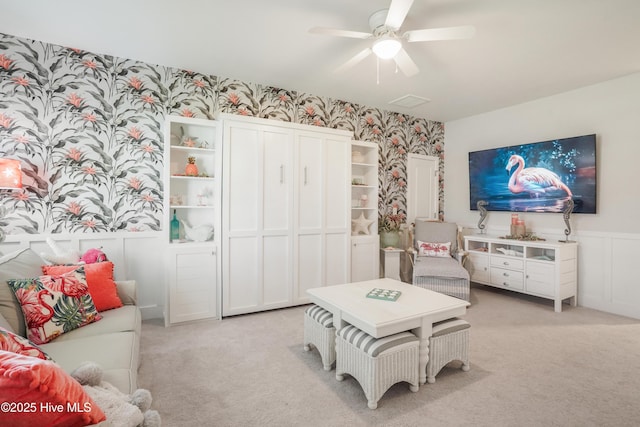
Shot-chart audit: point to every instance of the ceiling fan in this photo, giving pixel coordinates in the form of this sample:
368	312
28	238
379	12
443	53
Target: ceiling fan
387	39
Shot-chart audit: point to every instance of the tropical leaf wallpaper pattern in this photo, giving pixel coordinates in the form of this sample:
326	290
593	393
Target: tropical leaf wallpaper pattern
87	129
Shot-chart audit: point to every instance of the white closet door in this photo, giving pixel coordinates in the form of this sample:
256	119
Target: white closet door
259	218
277	180
241	221
277	229
310	182
422	188
337	174
338	189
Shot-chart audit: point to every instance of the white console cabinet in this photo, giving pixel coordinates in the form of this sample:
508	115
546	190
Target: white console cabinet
540	268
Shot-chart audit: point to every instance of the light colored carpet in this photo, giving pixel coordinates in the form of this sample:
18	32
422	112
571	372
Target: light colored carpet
530	366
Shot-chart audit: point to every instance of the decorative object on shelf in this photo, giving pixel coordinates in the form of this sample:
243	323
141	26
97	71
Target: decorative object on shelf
203	196
509	252
175	227
518	228
191	169
530	237
483	214
187	141
200	233
566	215
361	225
357	181
364	200
357	157
176	200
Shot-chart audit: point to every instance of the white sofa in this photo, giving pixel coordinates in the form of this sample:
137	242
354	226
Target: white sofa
113	342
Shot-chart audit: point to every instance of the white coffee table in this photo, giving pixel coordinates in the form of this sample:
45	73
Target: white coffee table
416	310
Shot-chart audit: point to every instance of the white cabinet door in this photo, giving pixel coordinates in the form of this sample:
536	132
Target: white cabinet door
192	283
365	258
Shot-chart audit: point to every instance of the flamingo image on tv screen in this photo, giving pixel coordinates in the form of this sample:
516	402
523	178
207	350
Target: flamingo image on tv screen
537	177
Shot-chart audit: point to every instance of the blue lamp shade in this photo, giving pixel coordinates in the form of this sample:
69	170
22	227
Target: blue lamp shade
10	174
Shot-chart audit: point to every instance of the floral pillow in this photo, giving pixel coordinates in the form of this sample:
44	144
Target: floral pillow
434	249
20	345
53	305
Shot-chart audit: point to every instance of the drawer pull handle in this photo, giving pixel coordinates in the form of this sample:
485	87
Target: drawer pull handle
505	263
505	274
505	283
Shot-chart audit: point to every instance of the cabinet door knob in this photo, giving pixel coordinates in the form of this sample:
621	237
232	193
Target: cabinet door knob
505	263
505	284
505	274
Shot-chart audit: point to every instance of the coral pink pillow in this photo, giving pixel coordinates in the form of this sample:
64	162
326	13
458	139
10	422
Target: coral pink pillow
102	288
42	394
17	344
434	249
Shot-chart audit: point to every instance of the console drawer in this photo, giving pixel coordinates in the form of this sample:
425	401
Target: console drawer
506	262
507	278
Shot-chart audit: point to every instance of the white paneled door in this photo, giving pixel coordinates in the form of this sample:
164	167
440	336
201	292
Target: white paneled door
422	187
285	212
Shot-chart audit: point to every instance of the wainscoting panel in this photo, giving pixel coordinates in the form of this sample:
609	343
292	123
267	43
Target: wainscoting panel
137	256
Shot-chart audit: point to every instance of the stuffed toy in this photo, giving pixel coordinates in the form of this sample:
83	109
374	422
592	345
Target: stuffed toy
59	255
93	255
122	410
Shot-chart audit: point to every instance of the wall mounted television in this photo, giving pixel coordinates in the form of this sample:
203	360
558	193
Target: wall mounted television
536	177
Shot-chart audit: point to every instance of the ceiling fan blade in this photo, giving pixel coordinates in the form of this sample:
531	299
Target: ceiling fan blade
397	12
405	63
445	33
340	33
354	60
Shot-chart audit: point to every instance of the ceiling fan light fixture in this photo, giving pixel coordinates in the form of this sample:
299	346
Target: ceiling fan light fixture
386	47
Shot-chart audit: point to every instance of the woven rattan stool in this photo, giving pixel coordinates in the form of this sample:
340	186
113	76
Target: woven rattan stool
449	341
377	364
319	332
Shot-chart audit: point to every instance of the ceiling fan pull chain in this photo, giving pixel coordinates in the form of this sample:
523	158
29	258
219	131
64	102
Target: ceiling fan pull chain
377	70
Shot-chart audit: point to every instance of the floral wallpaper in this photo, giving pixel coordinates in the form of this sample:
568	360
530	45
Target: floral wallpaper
88	130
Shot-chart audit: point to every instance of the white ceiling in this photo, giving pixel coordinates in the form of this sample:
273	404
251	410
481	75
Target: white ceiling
523	49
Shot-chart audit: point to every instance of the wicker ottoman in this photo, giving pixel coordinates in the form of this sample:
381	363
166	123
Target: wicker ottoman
319	332
449	341
377	364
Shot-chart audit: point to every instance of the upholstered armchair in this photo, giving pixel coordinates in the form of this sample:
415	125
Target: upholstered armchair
438	259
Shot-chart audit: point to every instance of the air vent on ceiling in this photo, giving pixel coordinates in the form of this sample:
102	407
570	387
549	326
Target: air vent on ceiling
409	101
